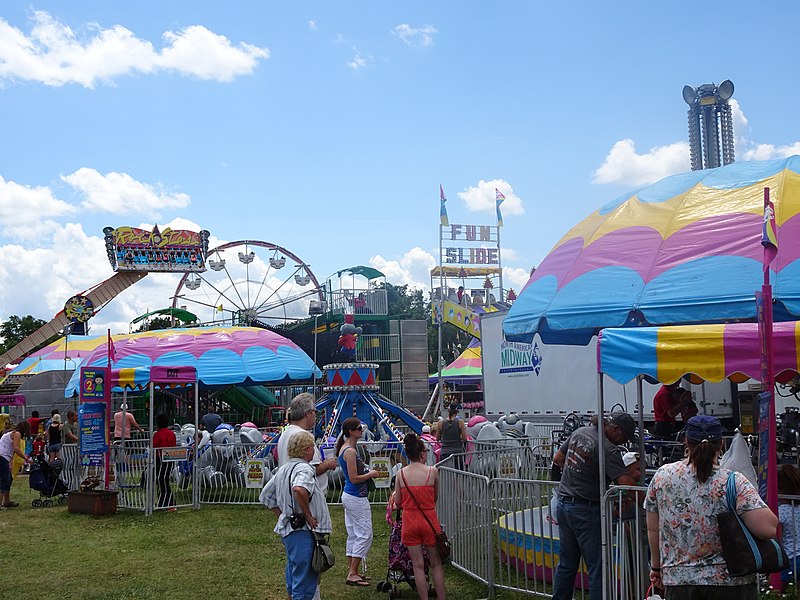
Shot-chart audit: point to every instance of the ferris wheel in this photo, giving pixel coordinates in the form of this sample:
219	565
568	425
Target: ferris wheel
249	282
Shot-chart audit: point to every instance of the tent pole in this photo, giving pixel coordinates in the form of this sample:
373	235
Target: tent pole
640	405
150	462
195	470
601	453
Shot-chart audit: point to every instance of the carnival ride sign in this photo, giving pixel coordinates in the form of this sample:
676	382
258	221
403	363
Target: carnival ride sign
92	424
168	251
454	253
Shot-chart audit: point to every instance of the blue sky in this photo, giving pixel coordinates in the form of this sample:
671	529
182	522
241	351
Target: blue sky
327	127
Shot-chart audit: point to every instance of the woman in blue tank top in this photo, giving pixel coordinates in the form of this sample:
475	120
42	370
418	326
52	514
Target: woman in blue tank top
357	513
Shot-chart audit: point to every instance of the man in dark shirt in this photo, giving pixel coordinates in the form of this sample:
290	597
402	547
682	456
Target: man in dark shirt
579	500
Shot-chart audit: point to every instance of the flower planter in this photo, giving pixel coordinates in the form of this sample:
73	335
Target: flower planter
95	502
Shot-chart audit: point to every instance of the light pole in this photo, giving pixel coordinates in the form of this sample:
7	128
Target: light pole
315	309
315	339
67	331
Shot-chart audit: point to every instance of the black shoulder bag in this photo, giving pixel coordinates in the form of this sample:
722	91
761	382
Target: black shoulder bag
743	552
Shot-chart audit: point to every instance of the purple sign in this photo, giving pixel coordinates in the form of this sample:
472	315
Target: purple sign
13	400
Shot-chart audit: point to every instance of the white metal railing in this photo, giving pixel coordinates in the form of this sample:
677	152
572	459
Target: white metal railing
357	301
383	347
391	389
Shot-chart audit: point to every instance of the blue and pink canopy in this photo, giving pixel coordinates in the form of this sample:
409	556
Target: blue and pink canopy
707	352
221	355
66	353
684	250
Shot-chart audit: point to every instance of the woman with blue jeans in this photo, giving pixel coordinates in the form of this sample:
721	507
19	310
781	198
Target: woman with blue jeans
293	495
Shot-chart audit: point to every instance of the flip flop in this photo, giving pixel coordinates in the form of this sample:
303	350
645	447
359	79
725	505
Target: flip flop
365	578
12	505
357	582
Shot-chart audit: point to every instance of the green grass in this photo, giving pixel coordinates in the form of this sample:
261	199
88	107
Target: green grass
216	552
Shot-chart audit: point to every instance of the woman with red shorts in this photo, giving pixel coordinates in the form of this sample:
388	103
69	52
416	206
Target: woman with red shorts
417	487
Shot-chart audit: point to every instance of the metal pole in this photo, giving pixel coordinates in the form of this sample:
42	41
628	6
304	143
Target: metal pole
500	265
315	343
148	509
640	404
195	470
601	454
440	322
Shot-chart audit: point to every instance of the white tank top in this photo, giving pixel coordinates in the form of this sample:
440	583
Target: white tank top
6	447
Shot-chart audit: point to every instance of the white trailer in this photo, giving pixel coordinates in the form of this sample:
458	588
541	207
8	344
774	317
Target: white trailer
544	383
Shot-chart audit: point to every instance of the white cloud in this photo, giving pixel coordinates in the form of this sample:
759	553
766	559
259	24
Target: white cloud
416	37
515	277
624	166
312	25
769	151
55	55
36	218
207	55
360	61
119	193
481	198
413	268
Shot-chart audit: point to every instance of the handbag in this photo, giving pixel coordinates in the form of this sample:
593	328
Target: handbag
322	557
443	544
744	553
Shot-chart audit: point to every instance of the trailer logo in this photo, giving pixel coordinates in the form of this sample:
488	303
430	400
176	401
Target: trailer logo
517	357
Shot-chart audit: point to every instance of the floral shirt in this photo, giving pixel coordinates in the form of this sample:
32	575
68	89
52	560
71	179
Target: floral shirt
691	553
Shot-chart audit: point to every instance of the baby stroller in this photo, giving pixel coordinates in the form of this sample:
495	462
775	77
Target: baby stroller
399	565
44	478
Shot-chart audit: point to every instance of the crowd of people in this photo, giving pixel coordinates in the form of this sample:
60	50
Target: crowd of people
680	504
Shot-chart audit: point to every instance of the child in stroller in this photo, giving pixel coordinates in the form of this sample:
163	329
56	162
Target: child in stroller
44	478
399	564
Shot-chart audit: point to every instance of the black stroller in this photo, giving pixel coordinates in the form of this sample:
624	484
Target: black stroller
45	478
399	564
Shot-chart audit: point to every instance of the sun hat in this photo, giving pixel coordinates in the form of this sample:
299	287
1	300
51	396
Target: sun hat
626	423
704	427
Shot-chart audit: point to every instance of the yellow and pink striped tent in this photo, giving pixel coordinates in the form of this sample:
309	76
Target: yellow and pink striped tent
706	352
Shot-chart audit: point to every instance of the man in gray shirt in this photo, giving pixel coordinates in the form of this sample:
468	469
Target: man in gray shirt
579	500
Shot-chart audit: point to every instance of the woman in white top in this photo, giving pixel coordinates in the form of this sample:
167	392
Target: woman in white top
293	495
9	446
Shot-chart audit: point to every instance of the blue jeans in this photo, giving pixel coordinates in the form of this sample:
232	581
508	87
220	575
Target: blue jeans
301	579
579	535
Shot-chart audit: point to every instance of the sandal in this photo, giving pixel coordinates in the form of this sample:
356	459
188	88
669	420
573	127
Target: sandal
357	582
11	504
365	578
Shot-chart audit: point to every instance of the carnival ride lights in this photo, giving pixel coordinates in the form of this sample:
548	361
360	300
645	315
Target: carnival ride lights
710	124
351	390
